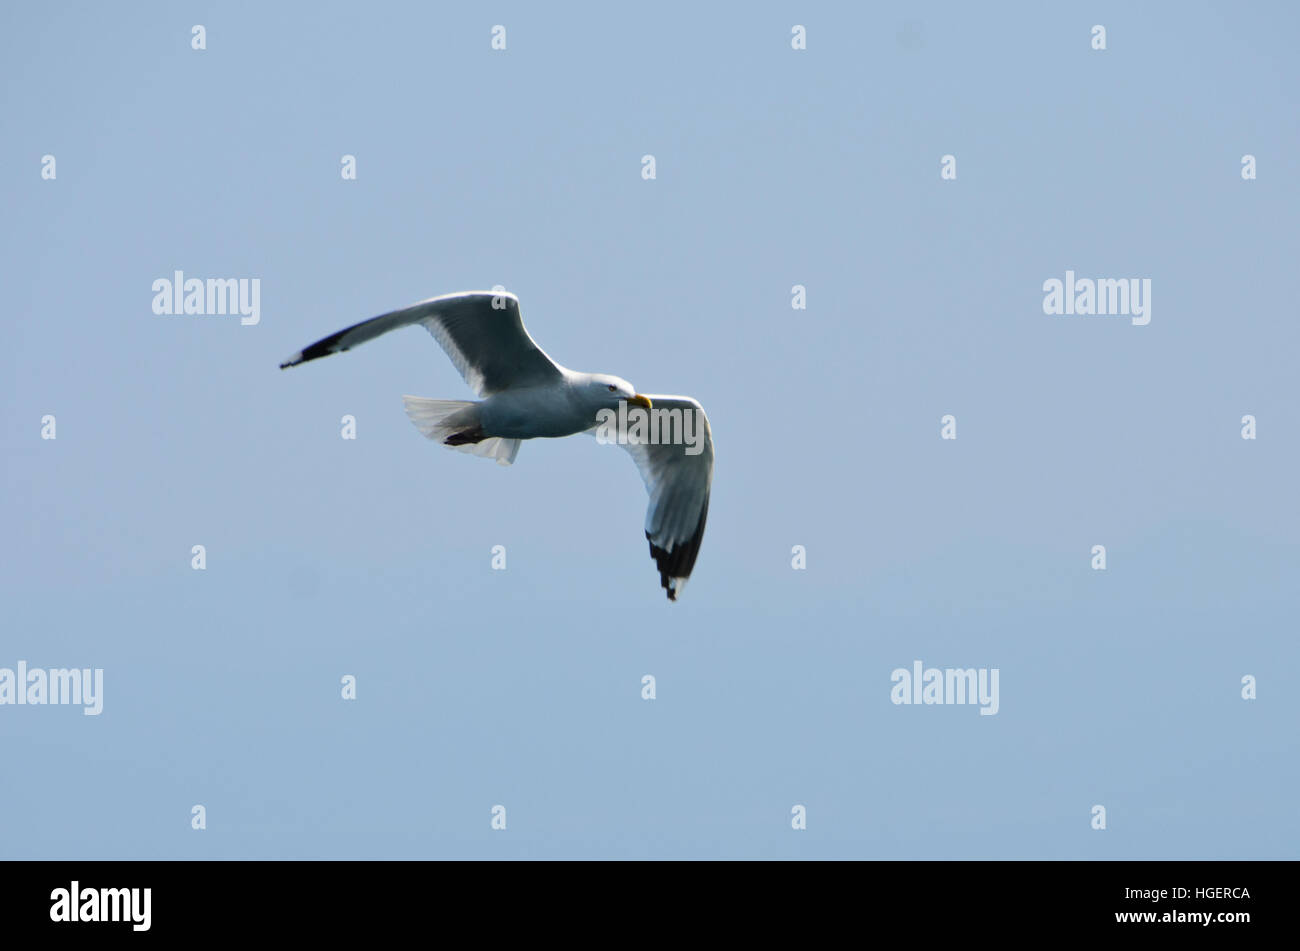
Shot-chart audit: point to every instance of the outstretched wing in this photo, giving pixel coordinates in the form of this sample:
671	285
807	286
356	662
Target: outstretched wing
678	476
481	331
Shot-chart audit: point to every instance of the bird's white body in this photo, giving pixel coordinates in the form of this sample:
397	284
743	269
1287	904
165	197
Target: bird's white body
528	412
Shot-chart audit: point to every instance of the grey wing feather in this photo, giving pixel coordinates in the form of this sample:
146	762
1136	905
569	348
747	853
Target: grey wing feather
481	331
678	483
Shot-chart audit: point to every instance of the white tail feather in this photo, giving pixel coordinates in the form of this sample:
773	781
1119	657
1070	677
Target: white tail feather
438	419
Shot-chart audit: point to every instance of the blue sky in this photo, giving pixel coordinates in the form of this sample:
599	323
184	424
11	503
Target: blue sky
775	167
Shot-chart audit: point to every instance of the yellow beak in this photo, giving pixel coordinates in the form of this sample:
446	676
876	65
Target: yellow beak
640	400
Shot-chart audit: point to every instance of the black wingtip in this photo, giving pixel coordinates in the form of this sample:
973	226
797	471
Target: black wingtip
681	560
321	348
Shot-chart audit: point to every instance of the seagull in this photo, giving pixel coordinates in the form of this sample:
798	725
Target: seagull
524	394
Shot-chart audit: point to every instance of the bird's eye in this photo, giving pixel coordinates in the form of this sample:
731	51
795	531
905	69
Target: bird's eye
613	389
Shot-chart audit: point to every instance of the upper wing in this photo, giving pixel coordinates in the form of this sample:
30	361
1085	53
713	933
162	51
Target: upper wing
481	331
678	483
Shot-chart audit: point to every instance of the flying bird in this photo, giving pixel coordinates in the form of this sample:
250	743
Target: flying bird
524	394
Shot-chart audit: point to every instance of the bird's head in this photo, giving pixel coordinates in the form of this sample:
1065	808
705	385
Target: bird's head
606	392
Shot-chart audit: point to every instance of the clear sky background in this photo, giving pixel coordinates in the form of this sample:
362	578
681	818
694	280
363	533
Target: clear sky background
522	687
